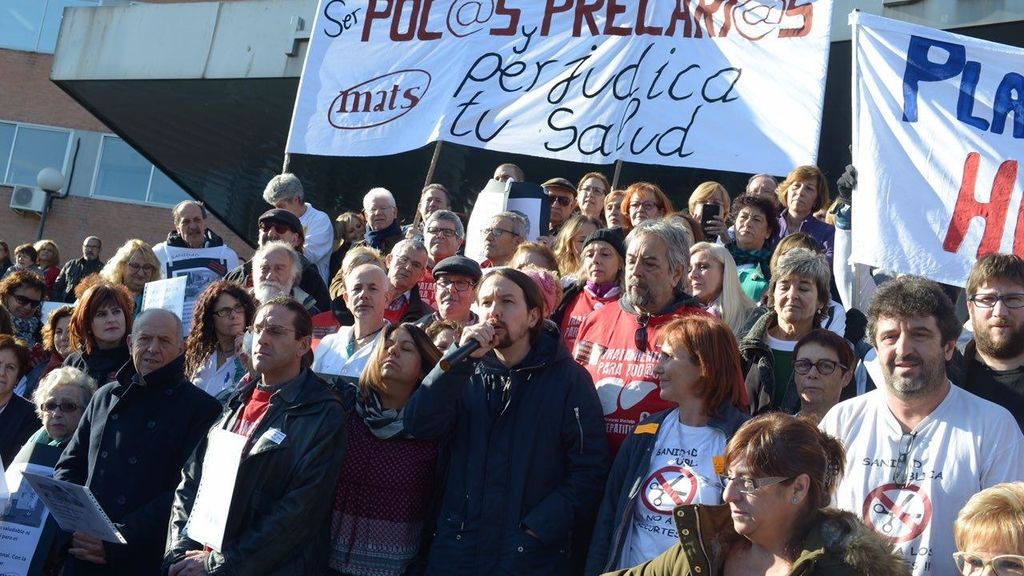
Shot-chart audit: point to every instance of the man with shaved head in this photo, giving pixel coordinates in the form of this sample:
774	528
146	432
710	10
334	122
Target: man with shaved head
133	440
346	352
74	271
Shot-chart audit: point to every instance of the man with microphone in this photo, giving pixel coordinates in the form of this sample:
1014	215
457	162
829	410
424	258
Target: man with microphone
528	452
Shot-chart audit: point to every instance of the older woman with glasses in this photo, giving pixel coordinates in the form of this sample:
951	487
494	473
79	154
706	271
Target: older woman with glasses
779	473
798	299
21	292
671	456
822	367
133	265
60	401
212	363
590	194
99	330
989	532
377	526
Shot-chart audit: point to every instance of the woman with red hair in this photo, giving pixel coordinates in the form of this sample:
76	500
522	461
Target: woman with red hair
672	456
644	201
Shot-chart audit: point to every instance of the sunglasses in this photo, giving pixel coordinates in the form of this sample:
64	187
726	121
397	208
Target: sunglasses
901	472
562	201
640	336
25	301
65	407
277	227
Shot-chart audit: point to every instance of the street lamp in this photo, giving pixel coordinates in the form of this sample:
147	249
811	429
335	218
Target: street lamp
51	181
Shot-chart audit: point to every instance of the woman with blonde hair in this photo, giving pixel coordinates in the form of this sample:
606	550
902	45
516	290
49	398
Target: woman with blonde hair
133	266
989	532
715	194
366	536
716	283
569	242
48	259
349	229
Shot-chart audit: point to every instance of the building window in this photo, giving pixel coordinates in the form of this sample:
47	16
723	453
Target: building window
33	25
26	149
123	174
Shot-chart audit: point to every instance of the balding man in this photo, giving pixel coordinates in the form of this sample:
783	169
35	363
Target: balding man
194	251
134	437
285	192
277	269
382	228
74	271
346	352
506	232
506	172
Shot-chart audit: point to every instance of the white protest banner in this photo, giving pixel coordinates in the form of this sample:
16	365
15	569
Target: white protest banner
735	85
209	513
168	294
938	125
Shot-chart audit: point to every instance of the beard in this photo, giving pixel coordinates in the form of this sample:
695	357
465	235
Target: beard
931	375
267	290
639	294
1002	349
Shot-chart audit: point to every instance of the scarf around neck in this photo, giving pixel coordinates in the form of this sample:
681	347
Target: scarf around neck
375	238
742	257
384	423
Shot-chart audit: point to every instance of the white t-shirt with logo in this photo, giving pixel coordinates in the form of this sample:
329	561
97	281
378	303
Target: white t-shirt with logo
965	445
681	471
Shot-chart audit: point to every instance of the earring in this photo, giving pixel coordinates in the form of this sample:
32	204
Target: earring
795	500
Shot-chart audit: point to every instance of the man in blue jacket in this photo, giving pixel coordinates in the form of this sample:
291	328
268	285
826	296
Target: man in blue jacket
528	450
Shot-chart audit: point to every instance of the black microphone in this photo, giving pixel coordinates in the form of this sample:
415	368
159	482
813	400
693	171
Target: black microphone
453	357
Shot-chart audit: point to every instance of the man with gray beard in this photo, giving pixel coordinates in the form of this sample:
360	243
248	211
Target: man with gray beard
276	271
993	363
617	344
918	447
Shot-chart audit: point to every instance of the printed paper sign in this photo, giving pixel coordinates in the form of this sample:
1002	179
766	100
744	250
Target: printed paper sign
74	507
209	514
938	129
167	294
666	82
21	522
526	199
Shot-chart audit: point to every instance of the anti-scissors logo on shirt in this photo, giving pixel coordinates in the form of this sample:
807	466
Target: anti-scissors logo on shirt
899	513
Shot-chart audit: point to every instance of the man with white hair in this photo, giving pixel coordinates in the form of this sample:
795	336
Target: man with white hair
276	272
346	352
382	228
406	265
285	191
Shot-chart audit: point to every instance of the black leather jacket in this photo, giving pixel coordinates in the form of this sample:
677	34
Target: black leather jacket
285	485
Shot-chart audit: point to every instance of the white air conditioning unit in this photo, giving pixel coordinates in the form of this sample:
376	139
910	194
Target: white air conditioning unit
28	198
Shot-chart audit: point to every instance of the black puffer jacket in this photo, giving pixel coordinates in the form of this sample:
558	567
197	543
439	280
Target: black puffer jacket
277	524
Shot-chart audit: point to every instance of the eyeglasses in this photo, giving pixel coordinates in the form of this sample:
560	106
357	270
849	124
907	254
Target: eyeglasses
596	189
824	367
1003	565
497	232
901	471
640	336
648	205
751	485
147	268
457	285
562	201
229	310
277	227
272	329
65	407
1015	300
26	301
445	232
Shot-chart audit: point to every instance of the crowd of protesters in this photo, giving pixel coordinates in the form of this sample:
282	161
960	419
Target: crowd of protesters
639	390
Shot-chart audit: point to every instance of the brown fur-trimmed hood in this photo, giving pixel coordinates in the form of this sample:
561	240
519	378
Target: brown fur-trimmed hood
840	543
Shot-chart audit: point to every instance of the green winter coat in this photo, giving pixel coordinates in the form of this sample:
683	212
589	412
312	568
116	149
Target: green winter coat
837	544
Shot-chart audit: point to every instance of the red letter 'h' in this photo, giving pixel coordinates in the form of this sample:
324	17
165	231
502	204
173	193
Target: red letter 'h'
994	211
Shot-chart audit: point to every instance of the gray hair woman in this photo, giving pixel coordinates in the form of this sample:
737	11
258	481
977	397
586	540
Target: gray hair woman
798	297
60	401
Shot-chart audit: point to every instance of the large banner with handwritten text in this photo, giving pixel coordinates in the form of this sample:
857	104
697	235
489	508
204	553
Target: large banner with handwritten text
938	124
729	85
